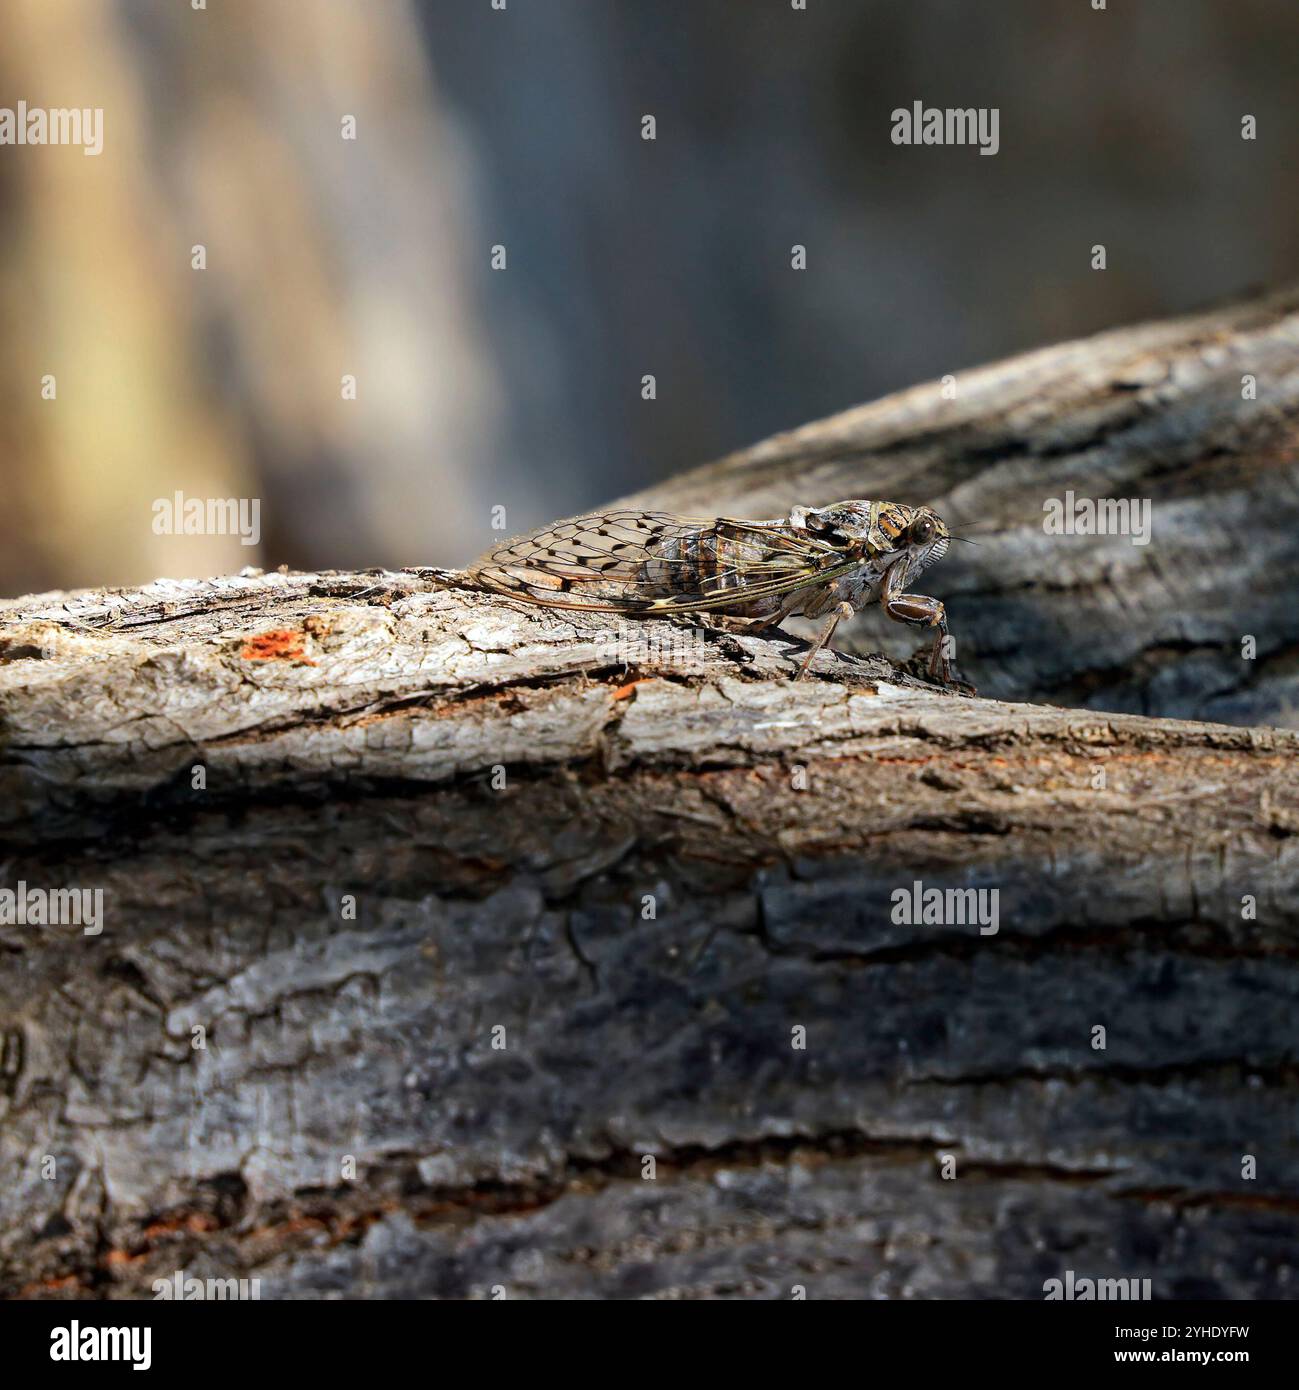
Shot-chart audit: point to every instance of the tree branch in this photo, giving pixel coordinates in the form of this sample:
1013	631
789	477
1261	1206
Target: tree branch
639	860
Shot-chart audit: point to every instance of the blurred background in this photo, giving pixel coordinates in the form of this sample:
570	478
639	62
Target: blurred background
520	128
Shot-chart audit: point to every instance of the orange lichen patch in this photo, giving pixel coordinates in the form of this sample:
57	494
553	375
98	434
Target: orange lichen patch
119	1257
193	1221
280	644
624	691
294	1225
339	1226
47	1286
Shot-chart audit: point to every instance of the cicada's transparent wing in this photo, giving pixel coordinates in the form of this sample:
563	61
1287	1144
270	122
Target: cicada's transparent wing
590	560
657	563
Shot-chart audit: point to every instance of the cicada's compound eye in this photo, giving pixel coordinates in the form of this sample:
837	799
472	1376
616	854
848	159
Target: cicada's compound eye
922	531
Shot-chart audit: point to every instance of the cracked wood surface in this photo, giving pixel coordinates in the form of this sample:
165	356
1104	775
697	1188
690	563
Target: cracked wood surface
501	788
353	730
1157	412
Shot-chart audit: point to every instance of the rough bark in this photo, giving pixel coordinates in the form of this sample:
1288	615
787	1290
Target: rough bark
649	858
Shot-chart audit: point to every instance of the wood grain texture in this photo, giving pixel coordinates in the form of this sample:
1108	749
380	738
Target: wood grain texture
507	792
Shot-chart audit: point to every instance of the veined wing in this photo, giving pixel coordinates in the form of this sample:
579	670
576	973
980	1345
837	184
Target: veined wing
658	563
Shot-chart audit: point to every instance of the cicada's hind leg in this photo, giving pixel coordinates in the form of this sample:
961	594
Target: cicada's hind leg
837	615
919	610
767	622
729	622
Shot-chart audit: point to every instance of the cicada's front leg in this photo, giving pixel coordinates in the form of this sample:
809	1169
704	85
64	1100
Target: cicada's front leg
920	611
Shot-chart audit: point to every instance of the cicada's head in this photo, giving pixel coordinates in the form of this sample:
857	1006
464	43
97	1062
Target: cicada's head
919	533
926	539
886	530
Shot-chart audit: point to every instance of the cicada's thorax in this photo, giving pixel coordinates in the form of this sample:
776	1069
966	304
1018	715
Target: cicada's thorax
879	527
876	530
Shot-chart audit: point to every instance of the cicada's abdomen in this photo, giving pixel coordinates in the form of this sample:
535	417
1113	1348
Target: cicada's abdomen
717	559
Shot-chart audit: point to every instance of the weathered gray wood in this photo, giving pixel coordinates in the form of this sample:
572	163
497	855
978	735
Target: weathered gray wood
502	789
358	760
1156	412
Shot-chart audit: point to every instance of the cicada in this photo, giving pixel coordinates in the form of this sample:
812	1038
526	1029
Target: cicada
816	562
